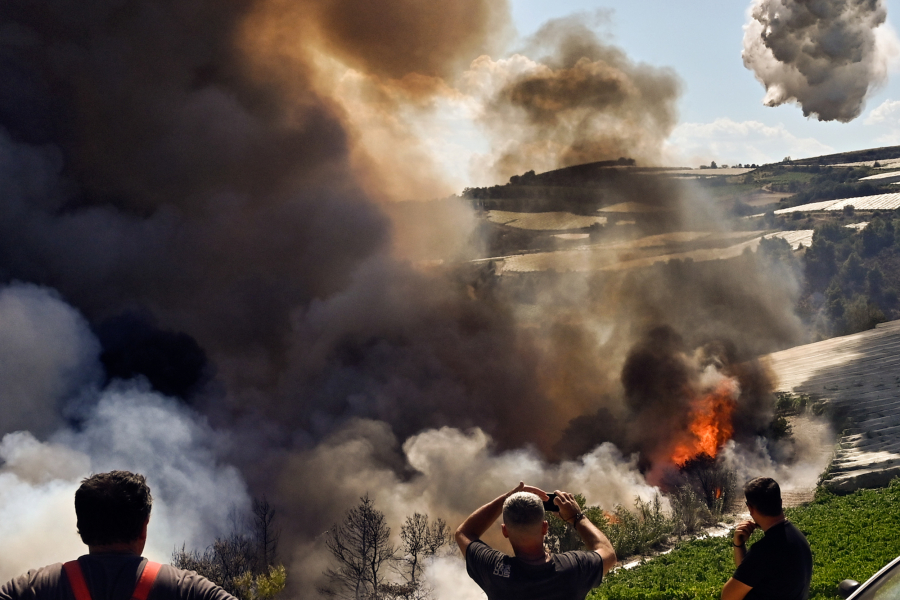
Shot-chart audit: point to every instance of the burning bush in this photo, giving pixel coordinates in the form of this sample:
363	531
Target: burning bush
715	483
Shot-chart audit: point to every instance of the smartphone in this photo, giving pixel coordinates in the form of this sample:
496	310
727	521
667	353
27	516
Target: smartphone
548	504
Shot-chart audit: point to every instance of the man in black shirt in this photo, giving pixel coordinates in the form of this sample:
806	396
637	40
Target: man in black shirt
777	567
533	573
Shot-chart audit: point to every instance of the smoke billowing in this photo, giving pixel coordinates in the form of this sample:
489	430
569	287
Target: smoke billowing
577	101
86	428
825	56
201	282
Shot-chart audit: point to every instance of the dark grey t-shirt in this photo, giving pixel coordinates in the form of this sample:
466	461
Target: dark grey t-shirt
111	577
779	566
568	576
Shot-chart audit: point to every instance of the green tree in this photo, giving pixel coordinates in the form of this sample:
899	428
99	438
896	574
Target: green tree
852	271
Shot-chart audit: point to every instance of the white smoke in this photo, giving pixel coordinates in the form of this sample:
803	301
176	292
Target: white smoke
37	513
47	355
50	368
453	473
827	55
140	431
447	576
800	460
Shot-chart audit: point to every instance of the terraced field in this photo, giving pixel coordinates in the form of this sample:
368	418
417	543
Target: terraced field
643	252
859	376
543	221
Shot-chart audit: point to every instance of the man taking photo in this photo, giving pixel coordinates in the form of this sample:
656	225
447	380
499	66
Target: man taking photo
533	573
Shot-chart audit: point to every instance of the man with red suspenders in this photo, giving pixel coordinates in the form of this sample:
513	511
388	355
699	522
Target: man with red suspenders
113	510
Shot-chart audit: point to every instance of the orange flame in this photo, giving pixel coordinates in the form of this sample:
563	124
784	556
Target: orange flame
718	493
710	425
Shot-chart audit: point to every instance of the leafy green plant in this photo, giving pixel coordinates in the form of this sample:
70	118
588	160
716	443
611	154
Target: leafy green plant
639	531
689	511
630	531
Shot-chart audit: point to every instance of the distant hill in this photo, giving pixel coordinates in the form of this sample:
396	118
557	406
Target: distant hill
577	175
851	157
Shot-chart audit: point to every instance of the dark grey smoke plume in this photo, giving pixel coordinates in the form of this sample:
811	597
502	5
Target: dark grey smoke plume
825	55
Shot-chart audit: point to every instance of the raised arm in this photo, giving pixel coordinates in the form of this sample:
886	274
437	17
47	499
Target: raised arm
593	538
739	539
480	521
734	589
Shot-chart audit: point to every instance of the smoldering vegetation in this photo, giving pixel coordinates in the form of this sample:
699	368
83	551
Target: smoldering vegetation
199	283
825	56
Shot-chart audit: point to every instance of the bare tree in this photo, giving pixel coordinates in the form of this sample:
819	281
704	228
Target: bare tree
265	533
224	562
242	563
361	546
421	540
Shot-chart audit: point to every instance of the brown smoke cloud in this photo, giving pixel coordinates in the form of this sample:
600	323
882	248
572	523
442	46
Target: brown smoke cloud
578	101
825	56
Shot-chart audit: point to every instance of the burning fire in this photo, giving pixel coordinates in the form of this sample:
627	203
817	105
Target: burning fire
710	424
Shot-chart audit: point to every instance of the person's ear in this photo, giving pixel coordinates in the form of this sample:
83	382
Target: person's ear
503	529
545	528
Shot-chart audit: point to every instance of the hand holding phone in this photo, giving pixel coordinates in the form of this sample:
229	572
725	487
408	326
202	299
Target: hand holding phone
549	506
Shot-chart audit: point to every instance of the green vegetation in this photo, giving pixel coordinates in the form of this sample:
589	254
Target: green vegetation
813	183
245	562
852	277
851	537
699	502
631	531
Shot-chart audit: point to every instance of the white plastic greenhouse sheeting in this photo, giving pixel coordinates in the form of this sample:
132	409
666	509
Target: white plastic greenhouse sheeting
876	202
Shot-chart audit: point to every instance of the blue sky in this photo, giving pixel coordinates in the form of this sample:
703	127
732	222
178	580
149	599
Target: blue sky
721	112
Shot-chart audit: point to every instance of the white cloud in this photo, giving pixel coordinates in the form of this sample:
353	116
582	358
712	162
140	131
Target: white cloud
886	116
887	112
730	142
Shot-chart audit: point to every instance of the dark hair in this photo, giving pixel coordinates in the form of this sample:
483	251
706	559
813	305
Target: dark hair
112	507
764	495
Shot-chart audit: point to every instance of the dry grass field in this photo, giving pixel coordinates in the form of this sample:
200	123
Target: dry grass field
694	245
543	221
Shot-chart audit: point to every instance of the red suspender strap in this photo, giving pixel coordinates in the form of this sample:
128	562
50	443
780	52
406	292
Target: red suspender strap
142	589
76	580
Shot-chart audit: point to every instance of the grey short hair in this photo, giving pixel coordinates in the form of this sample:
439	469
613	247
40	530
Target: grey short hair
522	509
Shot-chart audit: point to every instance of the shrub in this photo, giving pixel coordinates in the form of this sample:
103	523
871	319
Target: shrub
689	511
640	531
